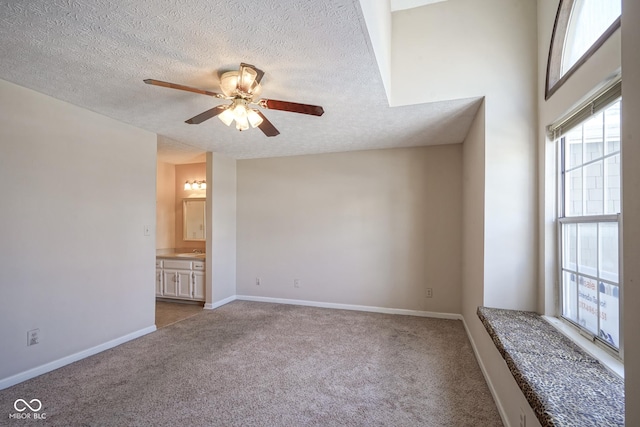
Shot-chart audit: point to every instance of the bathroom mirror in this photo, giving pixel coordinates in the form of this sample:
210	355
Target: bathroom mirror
193	216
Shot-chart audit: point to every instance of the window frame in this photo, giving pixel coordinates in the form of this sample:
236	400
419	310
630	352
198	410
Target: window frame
563	219
555	79
597	220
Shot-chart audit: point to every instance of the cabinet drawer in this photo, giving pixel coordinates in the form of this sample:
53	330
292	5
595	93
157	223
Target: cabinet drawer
198	265
177	264
158	263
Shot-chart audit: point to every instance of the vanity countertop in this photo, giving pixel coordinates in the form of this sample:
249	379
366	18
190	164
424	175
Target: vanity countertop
182	255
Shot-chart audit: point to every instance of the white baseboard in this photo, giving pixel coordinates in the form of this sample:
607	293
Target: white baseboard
492	389
214	305
48	367
452	316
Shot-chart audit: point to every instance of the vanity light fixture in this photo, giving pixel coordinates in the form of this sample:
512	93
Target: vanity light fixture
195	185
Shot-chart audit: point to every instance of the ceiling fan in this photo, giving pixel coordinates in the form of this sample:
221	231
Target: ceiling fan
242	88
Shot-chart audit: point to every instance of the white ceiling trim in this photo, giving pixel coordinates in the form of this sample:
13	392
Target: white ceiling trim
410	4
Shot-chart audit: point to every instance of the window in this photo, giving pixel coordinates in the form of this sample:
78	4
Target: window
588	20
581	27
589	218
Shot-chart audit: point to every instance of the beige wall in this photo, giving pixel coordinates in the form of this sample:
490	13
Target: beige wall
165	205
631	206
499	153
187	172
221	229
507	394
439	41
377	16
372	228
78	190
473	188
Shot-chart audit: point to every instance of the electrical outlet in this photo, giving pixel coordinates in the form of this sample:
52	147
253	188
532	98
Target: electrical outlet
429	292
258	281
296	283
523	418
33	337
147	230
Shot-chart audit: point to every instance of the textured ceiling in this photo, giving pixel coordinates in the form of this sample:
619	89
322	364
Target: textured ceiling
95	54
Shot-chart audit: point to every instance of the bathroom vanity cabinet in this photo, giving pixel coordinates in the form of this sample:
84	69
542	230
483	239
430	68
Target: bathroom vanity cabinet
180	279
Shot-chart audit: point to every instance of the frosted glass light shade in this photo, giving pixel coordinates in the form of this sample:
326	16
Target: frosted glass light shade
239	111
254	118
242	123
229	83
247	78
226	116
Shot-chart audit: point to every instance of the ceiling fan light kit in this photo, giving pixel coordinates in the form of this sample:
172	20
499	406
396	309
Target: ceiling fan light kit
241	87
243	115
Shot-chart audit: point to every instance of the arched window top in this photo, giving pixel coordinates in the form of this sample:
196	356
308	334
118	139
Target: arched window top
588	20
581	27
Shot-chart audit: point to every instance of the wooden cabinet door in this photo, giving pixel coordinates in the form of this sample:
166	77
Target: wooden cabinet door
198	285
170	280
159	287
184	284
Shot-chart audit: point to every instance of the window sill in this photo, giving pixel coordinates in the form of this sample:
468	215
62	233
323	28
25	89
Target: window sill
614	364
560	380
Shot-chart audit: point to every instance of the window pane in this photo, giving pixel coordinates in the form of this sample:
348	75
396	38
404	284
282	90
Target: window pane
588	304
594	192
589	20
589	264
573	193
593	137
608	251
573	148
609	314
569	296
588	249
570	246
612	128
612	185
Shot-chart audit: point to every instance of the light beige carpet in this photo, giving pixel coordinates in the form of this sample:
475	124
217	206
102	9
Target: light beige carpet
259	364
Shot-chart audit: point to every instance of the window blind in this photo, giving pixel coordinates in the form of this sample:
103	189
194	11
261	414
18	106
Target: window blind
592	106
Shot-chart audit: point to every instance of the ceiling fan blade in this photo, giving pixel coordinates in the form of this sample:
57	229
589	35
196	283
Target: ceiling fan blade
206	115
272	104
181	87
266	127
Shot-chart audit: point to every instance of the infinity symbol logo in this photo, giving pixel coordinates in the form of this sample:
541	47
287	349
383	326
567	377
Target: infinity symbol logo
26	405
